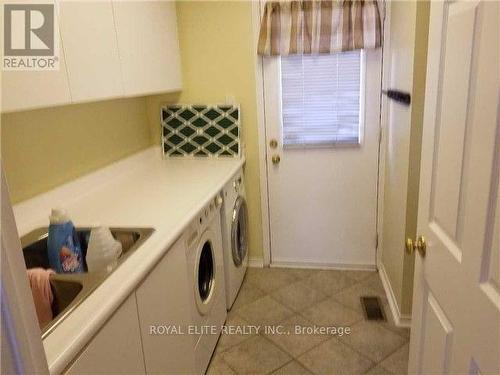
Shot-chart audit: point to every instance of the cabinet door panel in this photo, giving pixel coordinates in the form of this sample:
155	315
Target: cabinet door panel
116	349
162	299
148	46
91	49
22	90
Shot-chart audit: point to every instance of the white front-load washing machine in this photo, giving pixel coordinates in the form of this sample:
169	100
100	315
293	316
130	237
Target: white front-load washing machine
206	282
235	236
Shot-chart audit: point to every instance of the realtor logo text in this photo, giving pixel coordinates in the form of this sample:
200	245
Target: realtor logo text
30	37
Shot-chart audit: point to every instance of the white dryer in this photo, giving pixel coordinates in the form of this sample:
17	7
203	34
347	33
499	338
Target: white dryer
206	282
235	236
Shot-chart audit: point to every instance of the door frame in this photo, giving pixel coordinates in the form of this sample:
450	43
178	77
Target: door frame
401	320
265	261
257	7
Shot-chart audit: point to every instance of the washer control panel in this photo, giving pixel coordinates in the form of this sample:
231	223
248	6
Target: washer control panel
203	219
212	208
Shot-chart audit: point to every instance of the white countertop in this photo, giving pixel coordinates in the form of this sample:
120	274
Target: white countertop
143	190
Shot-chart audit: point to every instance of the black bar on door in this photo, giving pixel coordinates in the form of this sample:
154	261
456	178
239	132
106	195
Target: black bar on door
398	96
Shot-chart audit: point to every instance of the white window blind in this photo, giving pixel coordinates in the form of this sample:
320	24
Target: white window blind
321	99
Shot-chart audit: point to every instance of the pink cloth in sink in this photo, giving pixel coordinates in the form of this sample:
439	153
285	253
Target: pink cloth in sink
42	294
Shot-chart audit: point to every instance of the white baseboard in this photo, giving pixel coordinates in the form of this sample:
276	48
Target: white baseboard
259	263
401	320
256	262
324	266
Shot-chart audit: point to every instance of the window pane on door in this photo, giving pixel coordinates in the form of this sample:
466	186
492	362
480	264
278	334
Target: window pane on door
321	99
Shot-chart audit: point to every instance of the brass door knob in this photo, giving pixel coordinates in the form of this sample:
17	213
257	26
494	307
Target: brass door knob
419	245
275	159
273	143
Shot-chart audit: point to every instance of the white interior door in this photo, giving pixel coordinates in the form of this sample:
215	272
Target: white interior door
20	340
456	308
322	192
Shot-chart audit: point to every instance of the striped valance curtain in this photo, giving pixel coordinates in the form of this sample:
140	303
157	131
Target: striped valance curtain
319	26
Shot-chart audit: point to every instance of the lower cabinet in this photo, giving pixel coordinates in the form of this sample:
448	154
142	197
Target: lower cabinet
164	315
149	331
116	349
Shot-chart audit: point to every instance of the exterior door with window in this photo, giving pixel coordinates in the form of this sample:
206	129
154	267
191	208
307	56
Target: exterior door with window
322	134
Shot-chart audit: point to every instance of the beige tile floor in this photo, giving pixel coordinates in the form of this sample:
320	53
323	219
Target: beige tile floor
306	298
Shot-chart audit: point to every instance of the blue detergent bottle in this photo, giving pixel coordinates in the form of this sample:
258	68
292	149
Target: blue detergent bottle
63	245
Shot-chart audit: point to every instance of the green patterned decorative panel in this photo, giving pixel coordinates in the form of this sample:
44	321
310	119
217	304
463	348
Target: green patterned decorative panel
201	130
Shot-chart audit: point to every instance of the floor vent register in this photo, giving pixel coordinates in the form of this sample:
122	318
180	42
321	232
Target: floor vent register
372	308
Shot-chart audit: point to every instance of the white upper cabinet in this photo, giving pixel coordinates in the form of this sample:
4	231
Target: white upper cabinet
107	50
91	50
35	89
22	90
148	46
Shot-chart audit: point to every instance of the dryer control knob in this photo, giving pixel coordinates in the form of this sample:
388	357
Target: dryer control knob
236	184
218	200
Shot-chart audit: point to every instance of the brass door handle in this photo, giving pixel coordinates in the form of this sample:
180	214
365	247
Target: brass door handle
275	159
273	143
419	245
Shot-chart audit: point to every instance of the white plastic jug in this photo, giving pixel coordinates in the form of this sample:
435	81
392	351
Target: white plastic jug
103	250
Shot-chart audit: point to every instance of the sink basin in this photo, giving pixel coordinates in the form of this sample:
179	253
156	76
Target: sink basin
71	289
65	292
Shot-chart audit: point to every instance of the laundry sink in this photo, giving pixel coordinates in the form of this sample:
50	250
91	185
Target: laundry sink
65	292
70	290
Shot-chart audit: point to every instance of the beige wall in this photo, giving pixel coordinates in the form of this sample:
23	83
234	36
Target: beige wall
44	148
218	60
409	27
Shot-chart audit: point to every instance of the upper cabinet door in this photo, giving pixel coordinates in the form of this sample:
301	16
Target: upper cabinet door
91	49
22	90
108	49
148	46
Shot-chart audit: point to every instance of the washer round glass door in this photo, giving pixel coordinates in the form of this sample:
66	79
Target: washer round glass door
239	240
205	271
